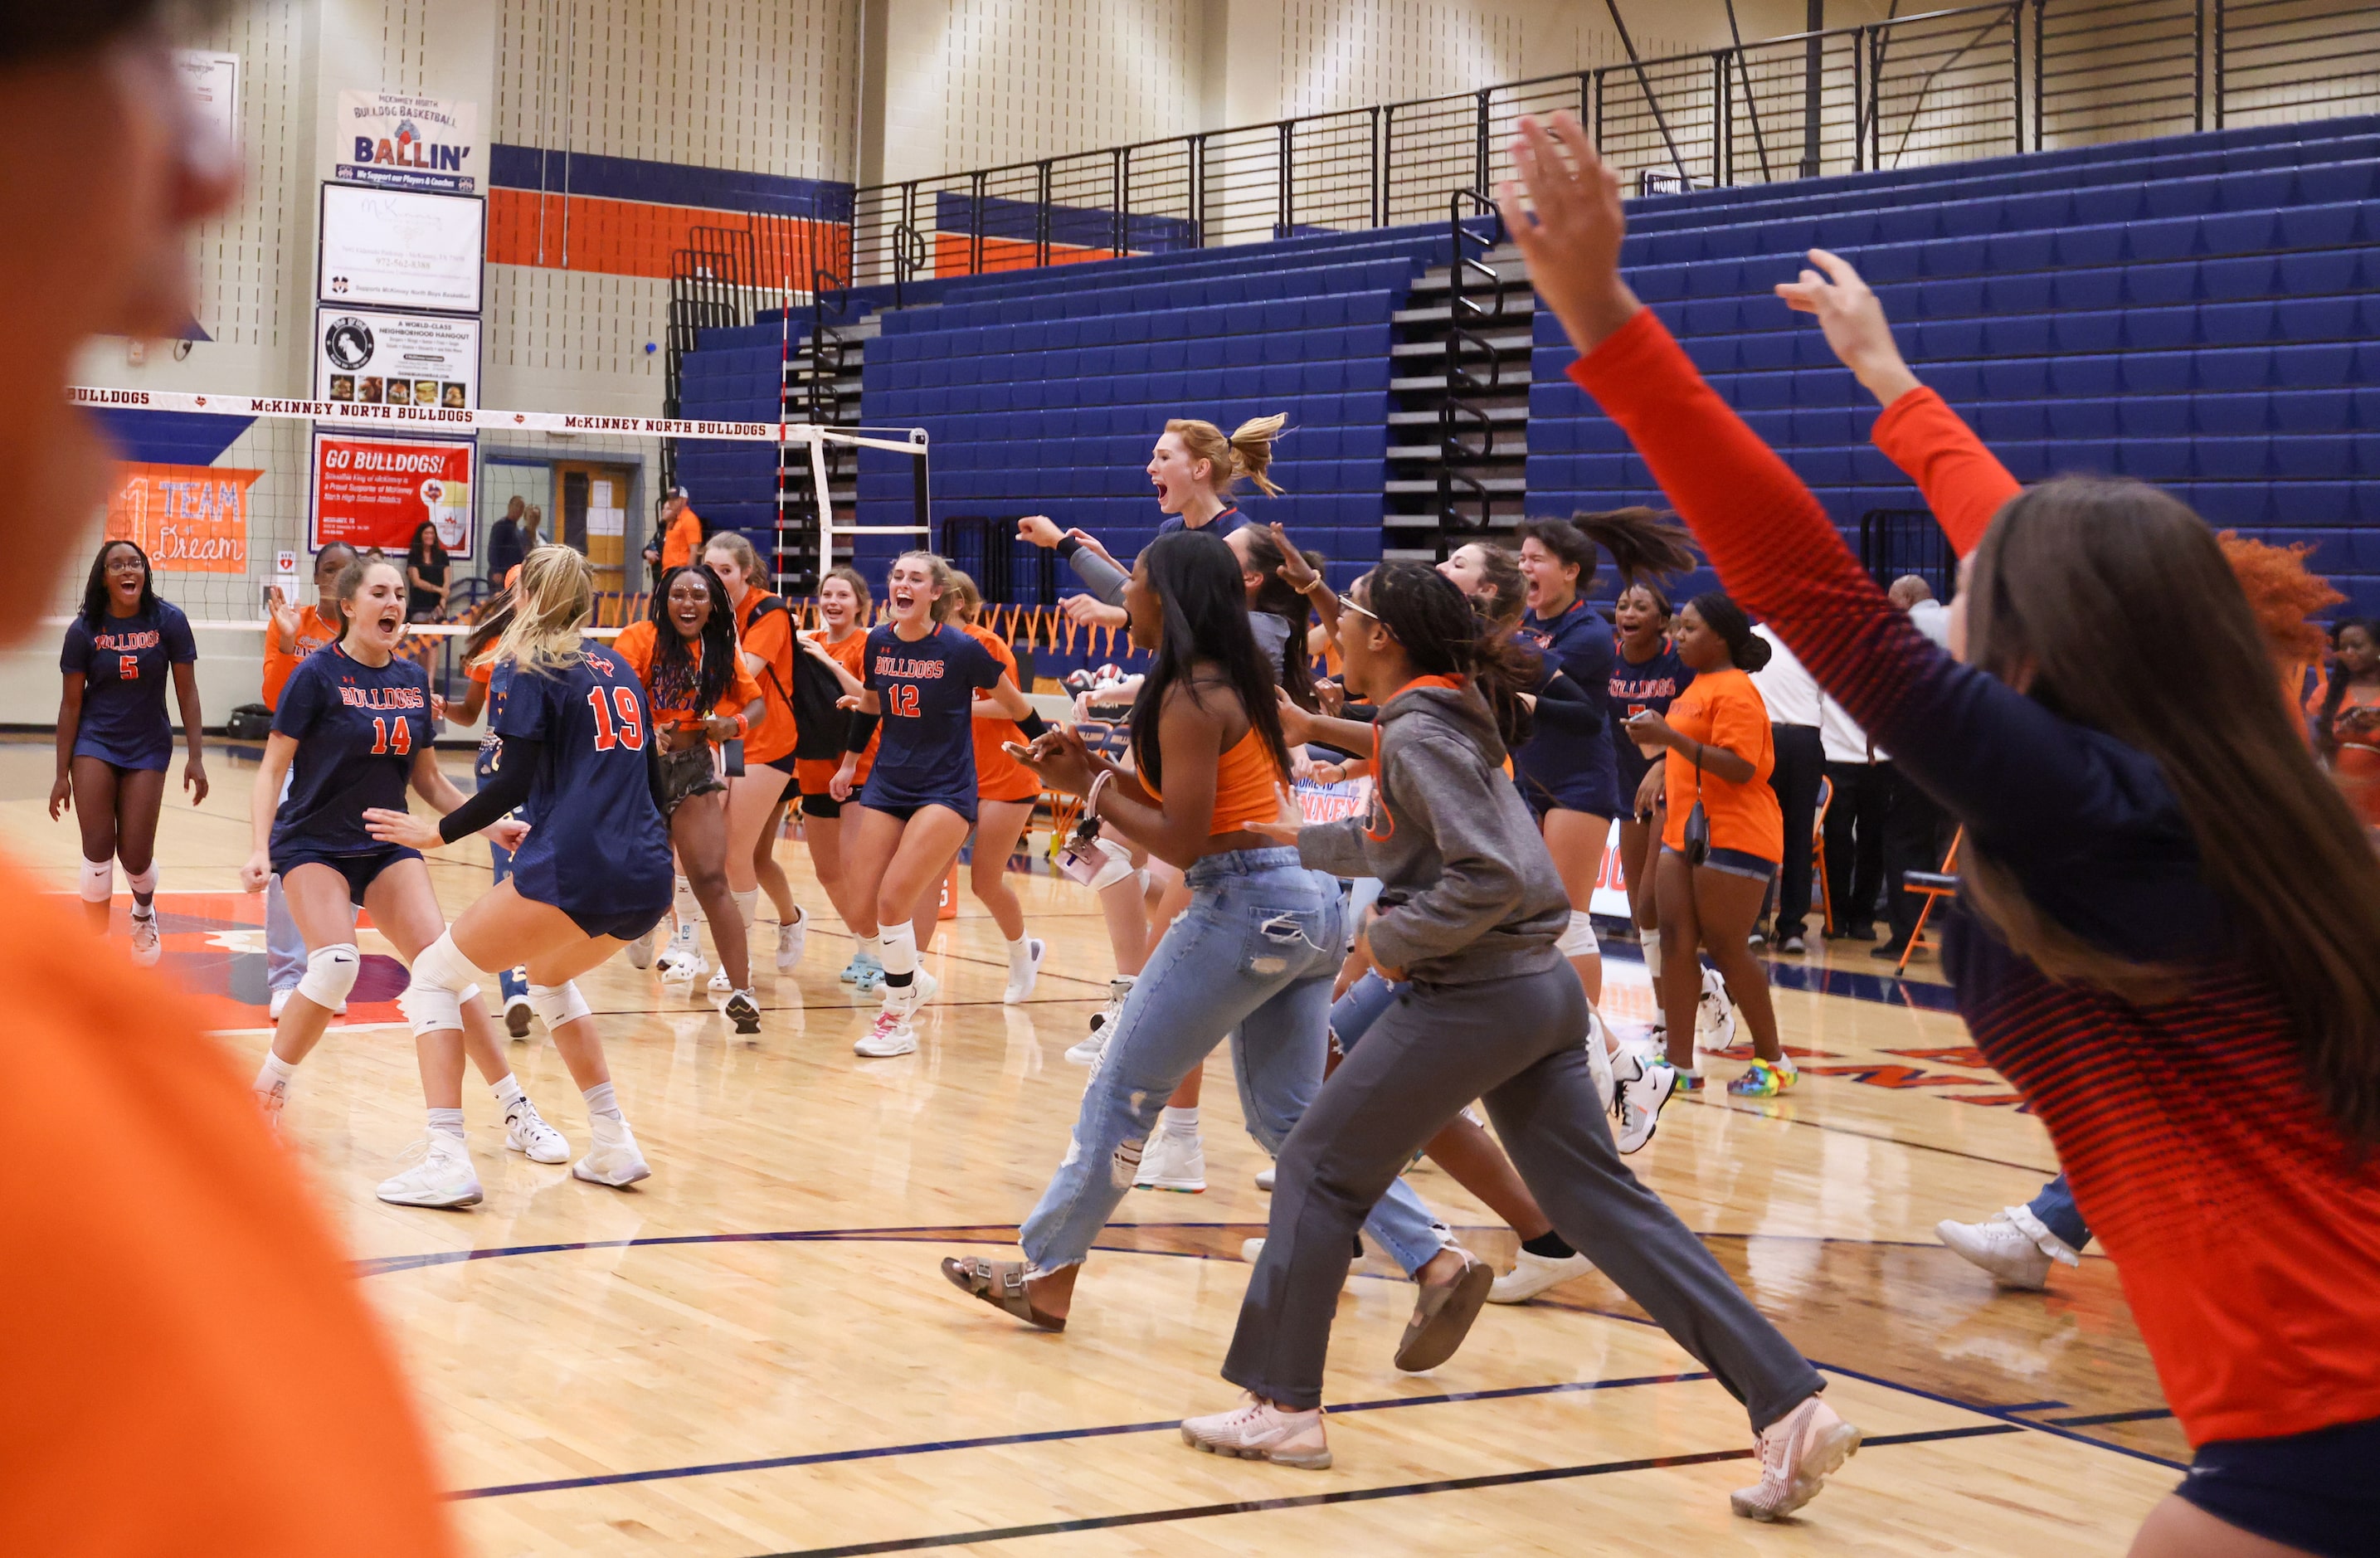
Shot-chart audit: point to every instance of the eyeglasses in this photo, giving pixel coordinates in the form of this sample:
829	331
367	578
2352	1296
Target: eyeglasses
1350	603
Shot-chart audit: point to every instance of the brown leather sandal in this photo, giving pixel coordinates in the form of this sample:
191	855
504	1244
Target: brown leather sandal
1442	1316
1000	1283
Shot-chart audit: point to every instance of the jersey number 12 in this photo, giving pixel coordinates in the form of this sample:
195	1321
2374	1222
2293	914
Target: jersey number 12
904	699
631	733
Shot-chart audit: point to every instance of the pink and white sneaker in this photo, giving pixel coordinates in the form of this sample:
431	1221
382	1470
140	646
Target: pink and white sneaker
1798	1451
1257	1430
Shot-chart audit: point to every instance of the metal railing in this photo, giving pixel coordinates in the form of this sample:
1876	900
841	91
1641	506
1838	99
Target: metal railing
1944	86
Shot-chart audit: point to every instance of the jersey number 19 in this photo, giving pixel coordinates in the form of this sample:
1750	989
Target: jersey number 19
631	733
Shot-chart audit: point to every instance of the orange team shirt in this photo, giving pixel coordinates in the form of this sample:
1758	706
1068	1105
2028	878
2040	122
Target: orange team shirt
772	642
2355	767
684	538
635	645
312	634
190	1364
998	776
1723	709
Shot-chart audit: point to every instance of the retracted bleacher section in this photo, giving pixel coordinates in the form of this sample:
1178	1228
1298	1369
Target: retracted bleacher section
1044	391
2202	313
734	375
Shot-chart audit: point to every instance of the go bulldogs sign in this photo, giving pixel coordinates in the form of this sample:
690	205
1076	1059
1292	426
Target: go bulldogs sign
404	141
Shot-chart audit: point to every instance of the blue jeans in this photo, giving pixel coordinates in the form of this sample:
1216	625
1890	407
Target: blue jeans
1251	958
2055	1207
1353	1014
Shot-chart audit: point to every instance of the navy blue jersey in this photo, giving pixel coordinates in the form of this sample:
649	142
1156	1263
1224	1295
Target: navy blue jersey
498	676
1574	769
124	668
356	729
596	846
925	692
1221	525
1637	686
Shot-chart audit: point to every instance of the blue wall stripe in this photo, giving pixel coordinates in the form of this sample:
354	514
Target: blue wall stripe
632	178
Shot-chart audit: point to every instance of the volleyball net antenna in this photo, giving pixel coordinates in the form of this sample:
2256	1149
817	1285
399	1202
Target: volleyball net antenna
232	496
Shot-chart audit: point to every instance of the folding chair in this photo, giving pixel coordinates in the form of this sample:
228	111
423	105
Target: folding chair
1934	886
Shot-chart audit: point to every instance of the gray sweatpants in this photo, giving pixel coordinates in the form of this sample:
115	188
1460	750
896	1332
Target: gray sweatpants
1517	1044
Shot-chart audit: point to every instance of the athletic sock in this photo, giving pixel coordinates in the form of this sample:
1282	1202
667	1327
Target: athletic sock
600	1102
745	903
446	1122
897	946
507	1090
1020	952
687	906
1652	943
274	1072
1181	1121
1548	1245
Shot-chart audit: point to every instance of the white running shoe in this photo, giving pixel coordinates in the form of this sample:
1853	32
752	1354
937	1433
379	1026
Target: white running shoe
517	1012
2012	1255
1798	1453
720	984
1257	1430
1715	1015
526	1132
790	939
1088	1050
613	1160
1264	1177
1172	1161
1103	1023
443	1176
1020	980
892	1035
280	999
146	947
922	987
1598	1059
742	1010
640	952
1531	1275
1643	1088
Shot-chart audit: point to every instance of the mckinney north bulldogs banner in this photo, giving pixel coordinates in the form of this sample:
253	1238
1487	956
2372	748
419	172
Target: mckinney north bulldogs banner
402	140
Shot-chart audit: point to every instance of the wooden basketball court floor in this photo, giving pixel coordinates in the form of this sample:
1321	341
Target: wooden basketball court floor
753	1351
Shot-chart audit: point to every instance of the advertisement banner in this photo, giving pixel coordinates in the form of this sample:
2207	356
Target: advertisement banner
1318	802
376	492
402	250
213	81
368	358
402	141
189	518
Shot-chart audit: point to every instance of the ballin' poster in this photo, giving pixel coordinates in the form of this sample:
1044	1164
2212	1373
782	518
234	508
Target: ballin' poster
377	492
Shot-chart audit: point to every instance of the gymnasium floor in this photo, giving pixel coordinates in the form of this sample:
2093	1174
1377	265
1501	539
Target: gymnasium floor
753	1353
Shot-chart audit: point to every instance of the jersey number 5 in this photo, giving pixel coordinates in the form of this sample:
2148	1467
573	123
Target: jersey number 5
901	700
127	668
631	733
392	736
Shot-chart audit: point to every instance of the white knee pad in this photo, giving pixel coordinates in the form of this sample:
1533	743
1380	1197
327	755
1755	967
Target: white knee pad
1578	941
746	902
557	1004
143	883
1114	868
330	973
443	980
98	883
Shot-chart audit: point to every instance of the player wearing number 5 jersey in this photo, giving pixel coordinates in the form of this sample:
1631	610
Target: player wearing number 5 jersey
920	677
351	731
592	874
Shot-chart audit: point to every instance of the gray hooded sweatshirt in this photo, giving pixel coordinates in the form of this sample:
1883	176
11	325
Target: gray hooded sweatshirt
1477	897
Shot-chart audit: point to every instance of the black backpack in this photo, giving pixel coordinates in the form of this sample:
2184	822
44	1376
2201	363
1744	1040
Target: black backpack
249	721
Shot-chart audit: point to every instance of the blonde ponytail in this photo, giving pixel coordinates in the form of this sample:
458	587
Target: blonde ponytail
1246	453
556	598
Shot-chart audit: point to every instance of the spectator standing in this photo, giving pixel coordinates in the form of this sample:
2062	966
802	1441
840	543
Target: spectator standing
1861	776
1916	829
505	549
680	535
425	576
1791	699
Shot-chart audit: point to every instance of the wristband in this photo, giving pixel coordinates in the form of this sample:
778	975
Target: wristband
742	728
1067	546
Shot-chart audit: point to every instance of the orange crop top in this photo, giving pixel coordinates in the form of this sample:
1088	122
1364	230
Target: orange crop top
1247	786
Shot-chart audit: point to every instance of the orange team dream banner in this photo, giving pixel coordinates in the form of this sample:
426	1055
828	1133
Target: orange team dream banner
189	518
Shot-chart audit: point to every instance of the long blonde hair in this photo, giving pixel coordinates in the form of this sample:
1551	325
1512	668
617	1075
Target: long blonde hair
968	597
556	598
1247	452
946	596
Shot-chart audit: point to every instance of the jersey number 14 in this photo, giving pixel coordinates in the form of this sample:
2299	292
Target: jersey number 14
392	736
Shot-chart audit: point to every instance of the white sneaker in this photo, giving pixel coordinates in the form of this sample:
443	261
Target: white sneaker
790	939
922	987
1644	1089
1103	1023
1020	979
640	952
1598	1058
613	1160
1264	1177
1531	1275
742	1010
280	999
146	947
1257	1430
892	1035
1088	1050
2012	1255
720	984
443	1177
1715	1013
1172	1161
518	1013
1798	1453
526	1132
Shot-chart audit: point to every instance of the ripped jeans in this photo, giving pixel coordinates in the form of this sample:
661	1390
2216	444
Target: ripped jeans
1252	958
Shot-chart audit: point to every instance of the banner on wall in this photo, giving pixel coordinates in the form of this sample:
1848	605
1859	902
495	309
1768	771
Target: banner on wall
377	492
189	518
213	81
395	248
365	357
403	140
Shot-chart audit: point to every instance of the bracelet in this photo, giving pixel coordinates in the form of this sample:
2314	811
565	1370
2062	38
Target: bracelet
1091	798
1317	582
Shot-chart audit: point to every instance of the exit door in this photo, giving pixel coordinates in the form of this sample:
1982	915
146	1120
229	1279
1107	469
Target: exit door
593	503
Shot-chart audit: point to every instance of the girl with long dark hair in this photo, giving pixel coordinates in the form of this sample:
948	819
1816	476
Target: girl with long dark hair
1253	957
755	798
2149	911
821	727
1646	675
1491	1013
113	743
2346	715
700	695
1006	792
352	732
425	574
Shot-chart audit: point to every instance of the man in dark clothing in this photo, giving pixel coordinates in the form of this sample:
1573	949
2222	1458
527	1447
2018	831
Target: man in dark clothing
505	548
